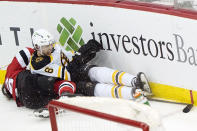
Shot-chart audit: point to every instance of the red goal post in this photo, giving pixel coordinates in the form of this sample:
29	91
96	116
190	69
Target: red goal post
53	105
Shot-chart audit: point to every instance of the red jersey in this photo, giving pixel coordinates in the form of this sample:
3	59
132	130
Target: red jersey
18	64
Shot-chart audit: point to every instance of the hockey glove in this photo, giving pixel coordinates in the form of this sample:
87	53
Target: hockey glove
89	50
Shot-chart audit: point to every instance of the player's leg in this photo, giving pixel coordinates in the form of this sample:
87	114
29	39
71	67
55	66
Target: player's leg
114	91
65	88
33	93
123	92
62	88
86	88
110	76
56	85
115	77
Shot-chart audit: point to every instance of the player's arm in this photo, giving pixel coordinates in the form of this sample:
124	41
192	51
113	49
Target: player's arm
43	65
53	70
23	57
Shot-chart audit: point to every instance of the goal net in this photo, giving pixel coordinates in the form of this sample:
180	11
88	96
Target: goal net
101	114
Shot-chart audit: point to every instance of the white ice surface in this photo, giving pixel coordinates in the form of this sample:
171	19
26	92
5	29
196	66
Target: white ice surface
13	118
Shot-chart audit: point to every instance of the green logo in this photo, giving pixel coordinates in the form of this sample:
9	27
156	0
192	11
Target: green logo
70	34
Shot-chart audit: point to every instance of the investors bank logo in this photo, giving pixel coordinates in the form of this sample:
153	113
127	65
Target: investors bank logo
177	50
70	34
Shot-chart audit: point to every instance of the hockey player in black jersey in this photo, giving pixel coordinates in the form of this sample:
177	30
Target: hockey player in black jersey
97	81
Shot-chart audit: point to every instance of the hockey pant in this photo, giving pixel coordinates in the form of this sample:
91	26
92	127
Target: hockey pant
32	91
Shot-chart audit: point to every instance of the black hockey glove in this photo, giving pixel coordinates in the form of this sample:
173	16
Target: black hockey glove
89	50
86	53
74	68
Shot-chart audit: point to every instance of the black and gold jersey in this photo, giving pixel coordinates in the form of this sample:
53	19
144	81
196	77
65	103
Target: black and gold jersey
53	65
39	62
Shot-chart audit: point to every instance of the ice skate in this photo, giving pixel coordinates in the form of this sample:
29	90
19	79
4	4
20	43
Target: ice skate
42	113
141	82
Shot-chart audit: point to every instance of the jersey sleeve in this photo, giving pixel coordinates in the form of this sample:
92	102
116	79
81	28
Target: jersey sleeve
23	56
18	64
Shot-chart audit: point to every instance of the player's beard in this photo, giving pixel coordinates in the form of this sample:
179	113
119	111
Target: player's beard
48	53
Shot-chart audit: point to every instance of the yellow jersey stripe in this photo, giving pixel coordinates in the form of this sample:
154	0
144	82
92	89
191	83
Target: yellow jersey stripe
120	78
31	64
51	58
114	77
66	75
59	71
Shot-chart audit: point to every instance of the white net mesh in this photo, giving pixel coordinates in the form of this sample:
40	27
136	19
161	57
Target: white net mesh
73	121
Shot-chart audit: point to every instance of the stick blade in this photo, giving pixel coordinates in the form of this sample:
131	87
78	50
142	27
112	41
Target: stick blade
187	108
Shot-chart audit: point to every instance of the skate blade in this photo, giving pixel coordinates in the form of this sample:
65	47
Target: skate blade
41	114
148	94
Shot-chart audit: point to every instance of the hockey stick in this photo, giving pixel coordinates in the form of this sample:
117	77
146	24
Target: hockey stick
185	109
189	106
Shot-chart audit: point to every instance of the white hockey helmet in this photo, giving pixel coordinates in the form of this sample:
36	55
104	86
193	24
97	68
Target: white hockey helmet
42	37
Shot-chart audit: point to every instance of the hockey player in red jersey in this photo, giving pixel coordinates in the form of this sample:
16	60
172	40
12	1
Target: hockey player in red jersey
48	78
18	64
